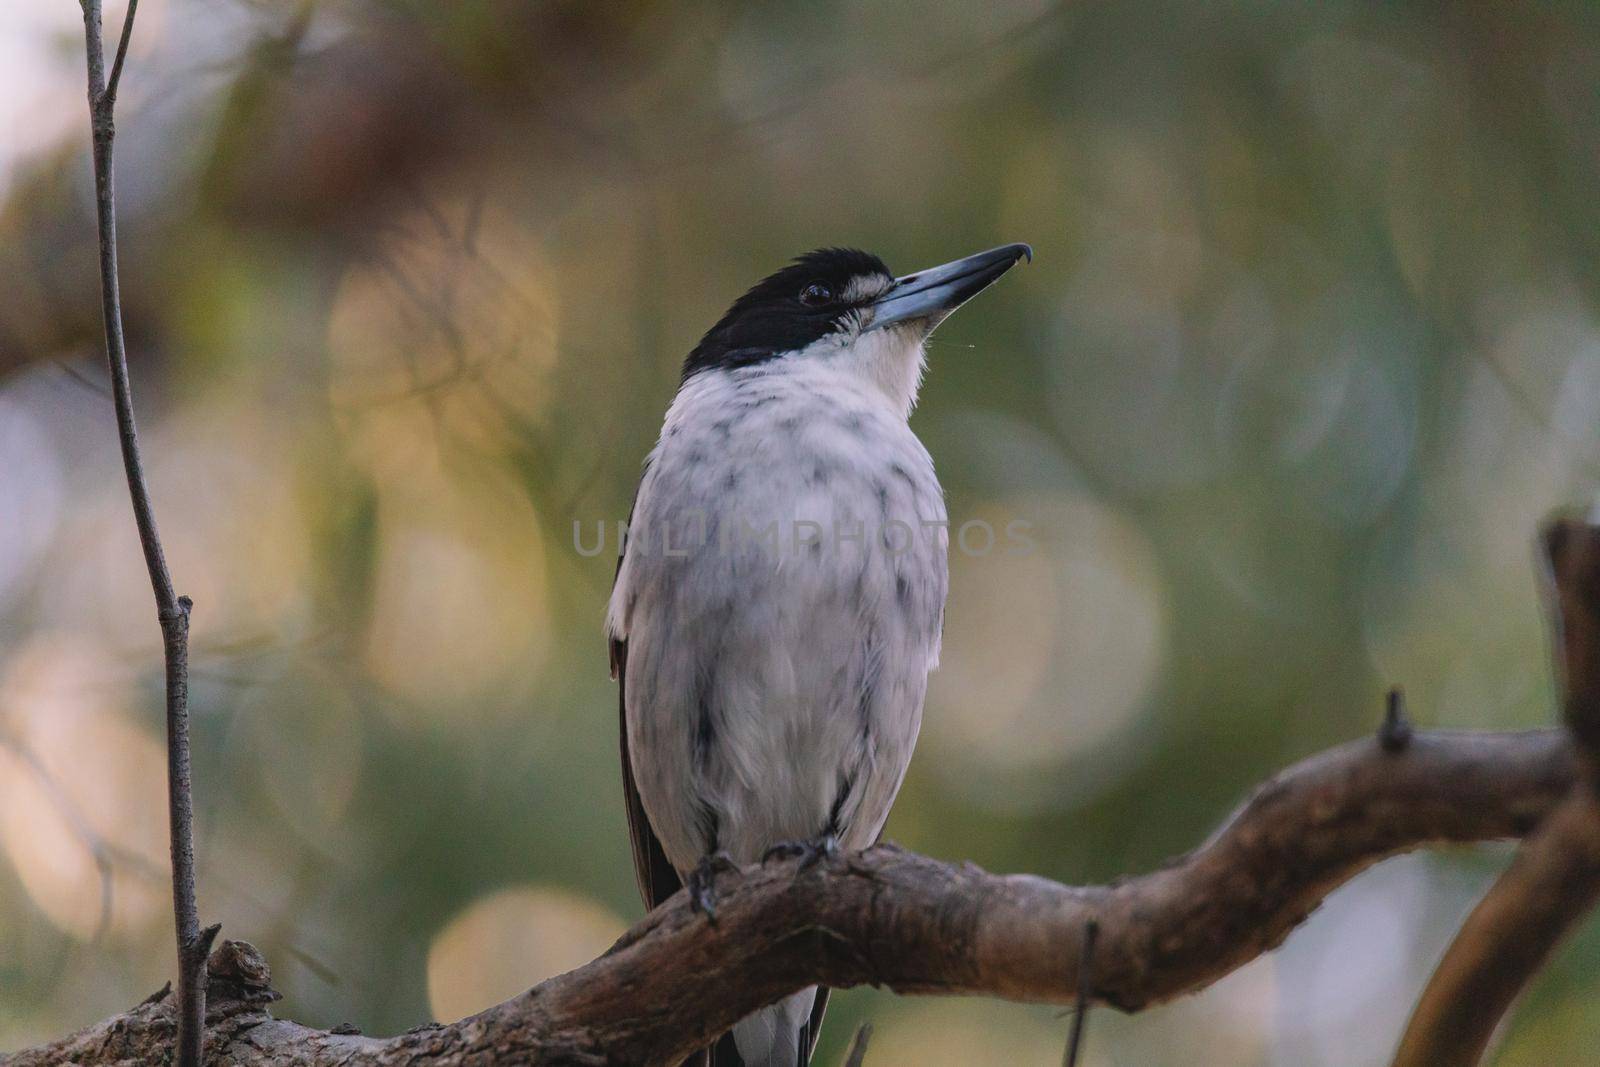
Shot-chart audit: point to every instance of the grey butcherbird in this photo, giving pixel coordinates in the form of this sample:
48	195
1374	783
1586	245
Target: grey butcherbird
780	595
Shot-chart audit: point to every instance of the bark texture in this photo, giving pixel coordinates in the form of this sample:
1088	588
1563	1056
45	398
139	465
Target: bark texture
918	925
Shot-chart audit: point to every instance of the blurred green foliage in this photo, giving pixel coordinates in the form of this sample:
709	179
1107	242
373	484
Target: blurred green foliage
1310	344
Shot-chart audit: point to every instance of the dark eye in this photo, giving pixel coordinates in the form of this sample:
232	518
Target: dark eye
816	294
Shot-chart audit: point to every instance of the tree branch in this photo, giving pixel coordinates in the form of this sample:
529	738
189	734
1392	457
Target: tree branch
172	611
122	54
1554	880
1572	556
1552	883
890	917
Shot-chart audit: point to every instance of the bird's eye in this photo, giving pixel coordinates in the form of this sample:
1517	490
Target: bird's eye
816	294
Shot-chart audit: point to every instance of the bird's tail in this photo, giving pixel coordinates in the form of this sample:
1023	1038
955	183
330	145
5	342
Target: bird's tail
776	1036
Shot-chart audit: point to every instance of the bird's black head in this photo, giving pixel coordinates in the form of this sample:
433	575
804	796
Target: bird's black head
812	297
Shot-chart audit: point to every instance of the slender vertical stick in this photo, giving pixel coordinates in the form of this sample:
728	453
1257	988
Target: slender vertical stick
1080	1012
171	610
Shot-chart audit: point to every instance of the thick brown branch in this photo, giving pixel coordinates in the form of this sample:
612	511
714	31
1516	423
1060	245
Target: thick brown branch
1554	880
890	917
1552	883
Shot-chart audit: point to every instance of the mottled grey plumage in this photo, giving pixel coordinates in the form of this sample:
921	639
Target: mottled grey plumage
779	603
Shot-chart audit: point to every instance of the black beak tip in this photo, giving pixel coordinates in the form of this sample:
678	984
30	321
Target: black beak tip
1024	251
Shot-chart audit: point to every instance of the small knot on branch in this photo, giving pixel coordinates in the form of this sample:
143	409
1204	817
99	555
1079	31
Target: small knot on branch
241	962
1395	732
237	971
178	613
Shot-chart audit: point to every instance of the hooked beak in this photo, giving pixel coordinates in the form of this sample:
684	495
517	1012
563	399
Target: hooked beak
929	296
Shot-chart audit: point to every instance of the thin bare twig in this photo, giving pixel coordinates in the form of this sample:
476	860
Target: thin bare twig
122	54
172	610
1080	1012
77	376
858	1046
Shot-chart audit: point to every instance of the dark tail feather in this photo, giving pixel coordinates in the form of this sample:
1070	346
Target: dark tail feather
808	1036
723	1054
700	1059
726	1054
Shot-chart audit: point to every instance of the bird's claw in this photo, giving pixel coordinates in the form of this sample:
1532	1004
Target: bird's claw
702	882
811	852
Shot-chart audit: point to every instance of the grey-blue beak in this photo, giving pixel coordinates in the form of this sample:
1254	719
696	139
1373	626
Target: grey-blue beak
929	296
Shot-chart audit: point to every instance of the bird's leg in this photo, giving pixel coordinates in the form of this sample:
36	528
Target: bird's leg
702	882
812	851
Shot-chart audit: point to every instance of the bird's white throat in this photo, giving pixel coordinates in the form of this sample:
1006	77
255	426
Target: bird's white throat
889	362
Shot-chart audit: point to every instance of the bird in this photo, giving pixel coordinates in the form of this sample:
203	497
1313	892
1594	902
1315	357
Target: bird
779	597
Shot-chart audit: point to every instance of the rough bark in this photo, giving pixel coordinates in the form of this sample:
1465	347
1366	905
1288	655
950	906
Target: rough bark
918	925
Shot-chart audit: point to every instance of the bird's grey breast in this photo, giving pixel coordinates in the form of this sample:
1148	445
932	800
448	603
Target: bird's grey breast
782	595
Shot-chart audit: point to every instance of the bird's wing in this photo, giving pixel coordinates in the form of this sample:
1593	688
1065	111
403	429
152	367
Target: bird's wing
657	878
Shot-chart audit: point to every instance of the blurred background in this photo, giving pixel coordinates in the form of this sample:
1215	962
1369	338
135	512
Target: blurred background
1310	343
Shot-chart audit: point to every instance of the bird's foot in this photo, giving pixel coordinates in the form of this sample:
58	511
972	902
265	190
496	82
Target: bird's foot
811	852
702	882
